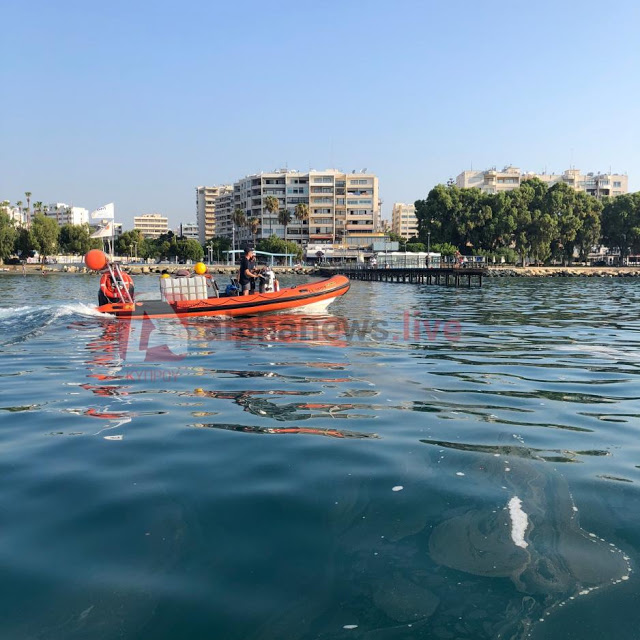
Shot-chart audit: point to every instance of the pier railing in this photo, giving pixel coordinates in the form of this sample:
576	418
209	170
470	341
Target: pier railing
413	262
447	273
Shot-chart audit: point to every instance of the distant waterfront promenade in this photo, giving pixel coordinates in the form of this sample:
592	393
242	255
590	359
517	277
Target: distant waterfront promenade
492	271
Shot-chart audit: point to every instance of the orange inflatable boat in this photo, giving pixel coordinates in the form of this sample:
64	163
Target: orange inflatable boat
193	297
301	295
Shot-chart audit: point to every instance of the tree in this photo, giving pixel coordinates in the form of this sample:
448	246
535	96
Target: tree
396	237
239	219
415	247
253	225
189	249
284	218
8	235
27	195
301	212
45	233
560	204
218	247
621	223
272	205
444	249
274	244
132	243
75	239
438	214
540	233
591	215
25	244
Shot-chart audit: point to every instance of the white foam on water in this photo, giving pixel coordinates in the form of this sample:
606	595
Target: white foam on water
81	309
8	312
519	522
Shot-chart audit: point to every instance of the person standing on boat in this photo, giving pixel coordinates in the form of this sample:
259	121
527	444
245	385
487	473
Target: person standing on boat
247	271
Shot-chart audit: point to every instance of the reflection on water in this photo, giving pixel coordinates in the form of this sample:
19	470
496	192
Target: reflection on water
484	487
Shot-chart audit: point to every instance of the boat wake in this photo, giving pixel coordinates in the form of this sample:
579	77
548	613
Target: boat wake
18	324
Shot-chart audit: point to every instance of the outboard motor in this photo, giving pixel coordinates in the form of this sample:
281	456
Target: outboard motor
268	283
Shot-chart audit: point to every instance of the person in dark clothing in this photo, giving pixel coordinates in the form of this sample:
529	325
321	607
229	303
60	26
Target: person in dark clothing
247	271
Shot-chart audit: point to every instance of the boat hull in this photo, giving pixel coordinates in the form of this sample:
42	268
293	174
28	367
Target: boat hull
304	295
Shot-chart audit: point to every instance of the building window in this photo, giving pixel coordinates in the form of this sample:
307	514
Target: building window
617	184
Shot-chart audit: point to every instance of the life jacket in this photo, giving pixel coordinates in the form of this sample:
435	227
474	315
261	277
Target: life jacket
110	290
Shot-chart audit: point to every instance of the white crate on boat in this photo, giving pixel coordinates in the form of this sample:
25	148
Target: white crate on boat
177	289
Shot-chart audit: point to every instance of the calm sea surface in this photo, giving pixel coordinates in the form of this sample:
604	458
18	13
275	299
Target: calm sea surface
416	463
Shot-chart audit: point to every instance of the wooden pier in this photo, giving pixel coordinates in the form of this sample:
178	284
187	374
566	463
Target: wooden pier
446	276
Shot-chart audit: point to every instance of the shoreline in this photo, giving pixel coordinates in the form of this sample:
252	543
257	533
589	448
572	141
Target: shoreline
136	269
563	272
492	271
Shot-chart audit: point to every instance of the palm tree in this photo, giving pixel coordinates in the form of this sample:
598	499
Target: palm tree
239	219
19	206
37	207
272	205
301	212
253	224
284	218
27	195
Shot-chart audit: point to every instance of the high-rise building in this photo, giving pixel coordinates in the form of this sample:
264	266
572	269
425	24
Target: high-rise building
206	210
224	211
404	221
65	214
339	204
151	225
595	184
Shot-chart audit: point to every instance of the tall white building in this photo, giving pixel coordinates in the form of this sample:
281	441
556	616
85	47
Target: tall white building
339	204
595	184
65	214
206	210
151	225
223	212
404	221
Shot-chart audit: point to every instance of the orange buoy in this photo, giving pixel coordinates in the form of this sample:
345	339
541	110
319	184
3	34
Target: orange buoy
96	260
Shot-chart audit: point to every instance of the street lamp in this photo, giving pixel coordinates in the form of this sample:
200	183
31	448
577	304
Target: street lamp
428	249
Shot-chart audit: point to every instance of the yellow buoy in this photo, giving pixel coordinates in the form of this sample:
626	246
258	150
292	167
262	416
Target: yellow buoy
165	275
200	268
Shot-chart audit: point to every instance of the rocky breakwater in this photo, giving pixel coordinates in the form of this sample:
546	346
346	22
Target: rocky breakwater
564	272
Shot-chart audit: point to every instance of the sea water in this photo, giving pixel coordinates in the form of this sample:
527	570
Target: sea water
416	462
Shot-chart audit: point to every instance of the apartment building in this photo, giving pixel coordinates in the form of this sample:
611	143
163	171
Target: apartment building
206	210
151	225
404	221
595	184
224	207
14	213
188	230
339	204
66	214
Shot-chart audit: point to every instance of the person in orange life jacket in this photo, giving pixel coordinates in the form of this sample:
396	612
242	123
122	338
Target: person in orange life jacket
247	273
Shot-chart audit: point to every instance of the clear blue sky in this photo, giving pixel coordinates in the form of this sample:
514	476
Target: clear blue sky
139	102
